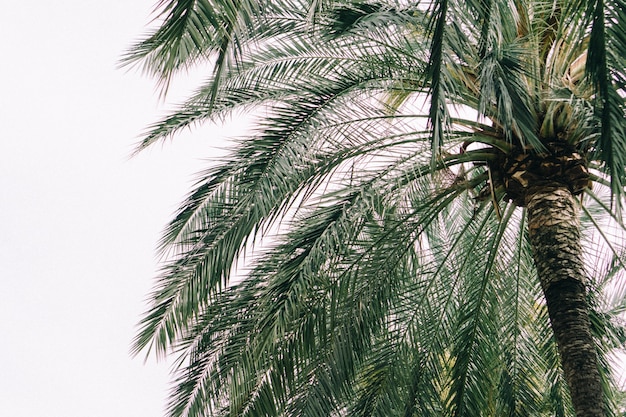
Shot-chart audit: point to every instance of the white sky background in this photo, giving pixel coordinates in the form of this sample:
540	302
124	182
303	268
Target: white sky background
79	222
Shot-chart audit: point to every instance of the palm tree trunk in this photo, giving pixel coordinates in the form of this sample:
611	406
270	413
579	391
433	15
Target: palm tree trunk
554	231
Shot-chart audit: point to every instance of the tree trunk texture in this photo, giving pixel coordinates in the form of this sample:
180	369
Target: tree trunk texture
554	232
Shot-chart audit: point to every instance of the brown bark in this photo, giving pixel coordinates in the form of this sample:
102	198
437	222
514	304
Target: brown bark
554	232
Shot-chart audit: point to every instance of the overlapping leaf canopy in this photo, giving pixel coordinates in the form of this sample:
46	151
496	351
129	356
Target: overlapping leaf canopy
385	274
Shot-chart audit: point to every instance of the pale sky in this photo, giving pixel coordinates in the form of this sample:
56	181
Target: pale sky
79	222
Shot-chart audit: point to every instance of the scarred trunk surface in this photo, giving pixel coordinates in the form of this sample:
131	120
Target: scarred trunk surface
555	237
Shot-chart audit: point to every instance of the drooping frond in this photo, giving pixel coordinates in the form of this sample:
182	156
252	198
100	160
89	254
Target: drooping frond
191	31
605	67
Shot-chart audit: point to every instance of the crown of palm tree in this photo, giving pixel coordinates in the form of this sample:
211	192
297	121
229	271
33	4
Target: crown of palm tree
380	203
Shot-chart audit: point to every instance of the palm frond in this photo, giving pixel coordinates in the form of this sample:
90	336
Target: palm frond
190	31
605	67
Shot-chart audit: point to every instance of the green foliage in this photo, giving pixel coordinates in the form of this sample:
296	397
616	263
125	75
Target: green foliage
386	272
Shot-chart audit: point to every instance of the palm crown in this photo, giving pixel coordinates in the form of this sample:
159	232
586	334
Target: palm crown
391	207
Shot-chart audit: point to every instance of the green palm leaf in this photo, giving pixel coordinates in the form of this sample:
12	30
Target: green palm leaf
384	208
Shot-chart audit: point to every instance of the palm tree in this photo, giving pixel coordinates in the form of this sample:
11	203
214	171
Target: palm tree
427	212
